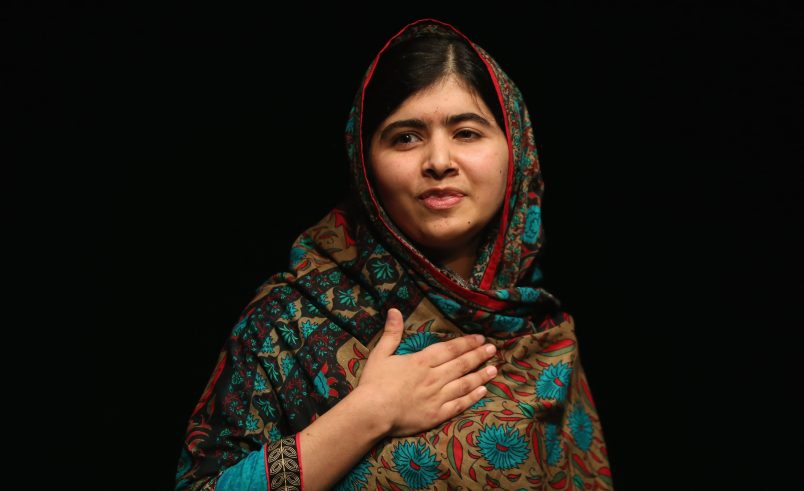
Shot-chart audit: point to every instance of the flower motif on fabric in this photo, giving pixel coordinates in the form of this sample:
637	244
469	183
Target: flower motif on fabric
417	466
552	443
335	276
345	298
449	307
554	381
274	434
237	380
382	271
252	423
506	323
382	293
324	382
266	406
290	311
532	225
357	478
274	308
289	336
260	384
238	329
299	250
308	327
416	343
267	345
502	446
581	427
342	319
480	403
296	256
287	365
528	294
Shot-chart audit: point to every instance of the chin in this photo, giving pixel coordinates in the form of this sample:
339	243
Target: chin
444	238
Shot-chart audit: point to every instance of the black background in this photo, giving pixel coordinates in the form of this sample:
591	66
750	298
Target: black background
171	155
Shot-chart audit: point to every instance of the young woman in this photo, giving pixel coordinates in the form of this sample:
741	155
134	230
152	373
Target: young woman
412	346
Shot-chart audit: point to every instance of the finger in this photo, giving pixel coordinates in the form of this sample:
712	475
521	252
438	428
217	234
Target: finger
465	363
392	333
468	383
457	406
443	352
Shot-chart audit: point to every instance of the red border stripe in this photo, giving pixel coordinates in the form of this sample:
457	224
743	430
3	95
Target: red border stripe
299	459
265	463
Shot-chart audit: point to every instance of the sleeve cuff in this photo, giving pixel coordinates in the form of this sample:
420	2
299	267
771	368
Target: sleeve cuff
283	464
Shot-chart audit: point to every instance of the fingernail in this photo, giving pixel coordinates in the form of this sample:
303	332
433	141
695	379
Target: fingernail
490	349
479	338
491	370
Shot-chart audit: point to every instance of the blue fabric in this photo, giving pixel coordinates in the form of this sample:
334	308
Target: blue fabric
246	475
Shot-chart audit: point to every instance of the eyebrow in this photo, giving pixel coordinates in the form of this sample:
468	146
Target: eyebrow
449	121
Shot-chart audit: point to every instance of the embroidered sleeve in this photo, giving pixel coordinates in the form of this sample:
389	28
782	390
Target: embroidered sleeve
283	464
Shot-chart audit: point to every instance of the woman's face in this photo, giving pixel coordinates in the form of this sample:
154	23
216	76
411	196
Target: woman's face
440	164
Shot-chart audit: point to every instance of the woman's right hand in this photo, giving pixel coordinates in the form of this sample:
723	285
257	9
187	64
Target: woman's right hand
417	391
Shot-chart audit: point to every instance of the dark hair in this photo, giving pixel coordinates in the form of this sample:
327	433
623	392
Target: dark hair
417	63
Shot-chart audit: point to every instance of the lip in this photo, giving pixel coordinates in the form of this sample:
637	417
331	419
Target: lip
441	198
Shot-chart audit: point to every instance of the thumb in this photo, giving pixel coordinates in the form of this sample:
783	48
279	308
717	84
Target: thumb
392	334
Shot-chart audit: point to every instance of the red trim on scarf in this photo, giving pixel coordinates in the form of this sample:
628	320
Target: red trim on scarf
298	459
496	253
265	464
211	385
494	259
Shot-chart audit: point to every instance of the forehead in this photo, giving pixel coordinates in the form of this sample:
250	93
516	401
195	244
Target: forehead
447	96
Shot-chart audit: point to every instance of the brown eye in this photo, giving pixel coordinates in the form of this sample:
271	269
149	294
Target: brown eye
404	138
464	134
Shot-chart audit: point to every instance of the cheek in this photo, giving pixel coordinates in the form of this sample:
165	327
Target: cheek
391	183
491	172
502	168
500	179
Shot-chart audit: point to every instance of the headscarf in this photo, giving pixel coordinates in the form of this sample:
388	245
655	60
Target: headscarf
300	344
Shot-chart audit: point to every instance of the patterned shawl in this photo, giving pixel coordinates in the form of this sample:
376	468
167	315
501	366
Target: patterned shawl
300	345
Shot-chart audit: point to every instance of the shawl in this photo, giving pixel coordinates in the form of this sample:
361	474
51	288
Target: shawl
299	346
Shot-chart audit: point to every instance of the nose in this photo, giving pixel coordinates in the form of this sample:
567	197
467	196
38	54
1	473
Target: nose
438	161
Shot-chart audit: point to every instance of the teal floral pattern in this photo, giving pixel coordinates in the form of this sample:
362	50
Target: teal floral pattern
416	464
502	446
533	224
552	443
554	381
357	478
416	342
581	426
